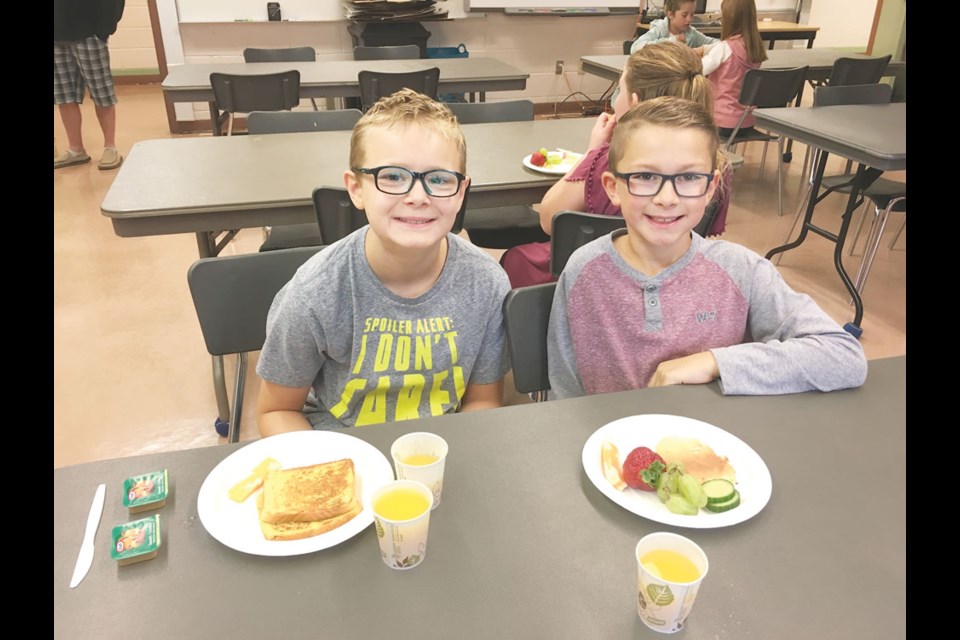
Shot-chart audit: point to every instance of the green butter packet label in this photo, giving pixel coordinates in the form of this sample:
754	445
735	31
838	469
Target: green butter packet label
136	538
145	489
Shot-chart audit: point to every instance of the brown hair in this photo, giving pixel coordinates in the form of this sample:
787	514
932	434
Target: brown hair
674	5
665	111
739	17
668	69
406	108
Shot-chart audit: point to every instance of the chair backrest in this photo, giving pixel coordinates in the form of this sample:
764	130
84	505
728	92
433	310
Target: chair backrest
388	52
506	111
338	218
573	229
847	71
265	92
232	295
377	84
830	95
260	122
626	47
766	88
290	54
526	316
900	85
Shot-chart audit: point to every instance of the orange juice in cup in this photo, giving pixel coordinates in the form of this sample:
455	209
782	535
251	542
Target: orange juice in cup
401	515
670	569
421	456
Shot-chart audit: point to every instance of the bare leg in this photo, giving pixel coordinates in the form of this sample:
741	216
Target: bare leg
108	123
71	117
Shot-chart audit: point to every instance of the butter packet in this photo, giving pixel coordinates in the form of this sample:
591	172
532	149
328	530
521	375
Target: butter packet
147	491
136	541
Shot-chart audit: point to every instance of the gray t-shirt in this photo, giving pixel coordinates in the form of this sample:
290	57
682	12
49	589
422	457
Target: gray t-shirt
372	356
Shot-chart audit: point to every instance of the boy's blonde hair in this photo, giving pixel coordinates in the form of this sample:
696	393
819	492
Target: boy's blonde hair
665	111
739	17
668	69
406	108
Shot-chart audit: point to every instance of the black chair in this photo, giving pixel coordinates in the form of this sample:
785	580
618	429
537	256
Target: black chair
377	84
264	122
766	88
852	71
267	122
232	295
848	71
385	52
388	52
338	218
572	230
245	93
499	227
526	317
288	54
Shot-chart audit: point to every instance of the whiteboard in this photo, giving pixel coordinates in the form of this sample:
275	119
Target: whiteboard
256	10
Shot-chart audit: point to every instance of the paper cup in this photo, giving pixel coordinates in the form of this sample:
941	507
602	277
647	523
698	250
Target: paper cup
665	592
402	524
421	456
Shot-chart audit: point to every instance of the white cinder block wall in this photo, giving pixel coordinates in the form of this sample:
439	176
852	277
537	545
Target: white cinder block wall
532	43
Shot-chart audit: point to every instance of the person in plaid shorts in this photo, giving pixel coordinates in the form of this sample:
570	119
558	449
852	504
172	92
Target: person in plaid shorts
81	62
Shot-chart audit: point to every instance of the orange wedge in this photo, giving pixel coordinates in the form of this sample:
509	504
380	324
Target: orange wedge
610	461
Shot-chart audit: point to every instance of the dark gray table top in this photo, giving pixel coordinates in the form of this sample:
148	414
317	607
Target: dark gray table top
338	78
189	185
524	546
872	134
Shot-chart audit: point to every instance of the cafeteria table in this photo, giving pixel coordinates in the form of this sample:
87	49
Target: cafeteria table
204	185
524	545
874	135
771	31
819	61
338	78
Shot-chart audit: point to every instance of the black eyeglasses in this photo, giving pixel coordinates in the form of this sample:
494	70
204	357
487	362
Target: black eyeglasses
647	184
398	181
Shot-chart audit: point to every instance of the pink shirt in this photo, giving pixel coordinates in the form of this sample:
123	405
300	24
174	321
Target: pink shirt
727	80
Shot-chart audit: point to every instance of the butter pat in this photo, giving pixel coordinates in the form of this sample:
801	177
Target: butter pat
147	491
136	541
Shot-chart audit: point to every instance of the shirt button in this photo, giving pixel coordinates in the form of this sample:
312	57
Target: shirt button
651	288
653	303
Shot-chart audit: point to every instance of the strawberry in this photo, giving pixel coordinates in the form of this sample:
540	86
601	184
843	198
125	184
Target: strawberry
537	159
642	469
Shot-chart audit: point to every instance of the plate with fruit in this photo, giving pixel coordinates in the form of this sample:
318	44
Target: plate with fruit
677	471
556	162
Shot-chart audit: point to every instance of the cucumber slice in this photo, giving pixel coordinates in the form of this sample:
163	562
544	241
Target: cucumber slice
718	490
720	507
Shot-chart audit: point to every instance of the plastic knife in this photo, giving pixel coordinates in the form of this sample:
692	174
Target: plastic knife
85	559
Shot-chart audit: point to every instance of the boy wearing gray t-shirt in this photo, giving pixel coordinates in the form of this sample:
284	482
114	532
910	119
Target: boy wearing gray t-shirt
401	319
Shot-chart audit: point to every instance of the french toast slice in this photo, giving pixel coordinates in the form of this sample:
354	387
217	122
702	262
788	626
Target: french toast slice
300	530
309	494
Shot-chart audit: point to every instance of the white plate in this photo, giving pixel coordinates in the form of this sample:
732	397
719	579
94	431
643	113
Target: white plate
237	525
753	477
554	169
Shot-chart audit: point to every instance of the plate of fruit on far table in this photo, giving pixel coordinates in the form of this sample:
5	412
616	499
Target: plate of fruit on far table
556	162
677	471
